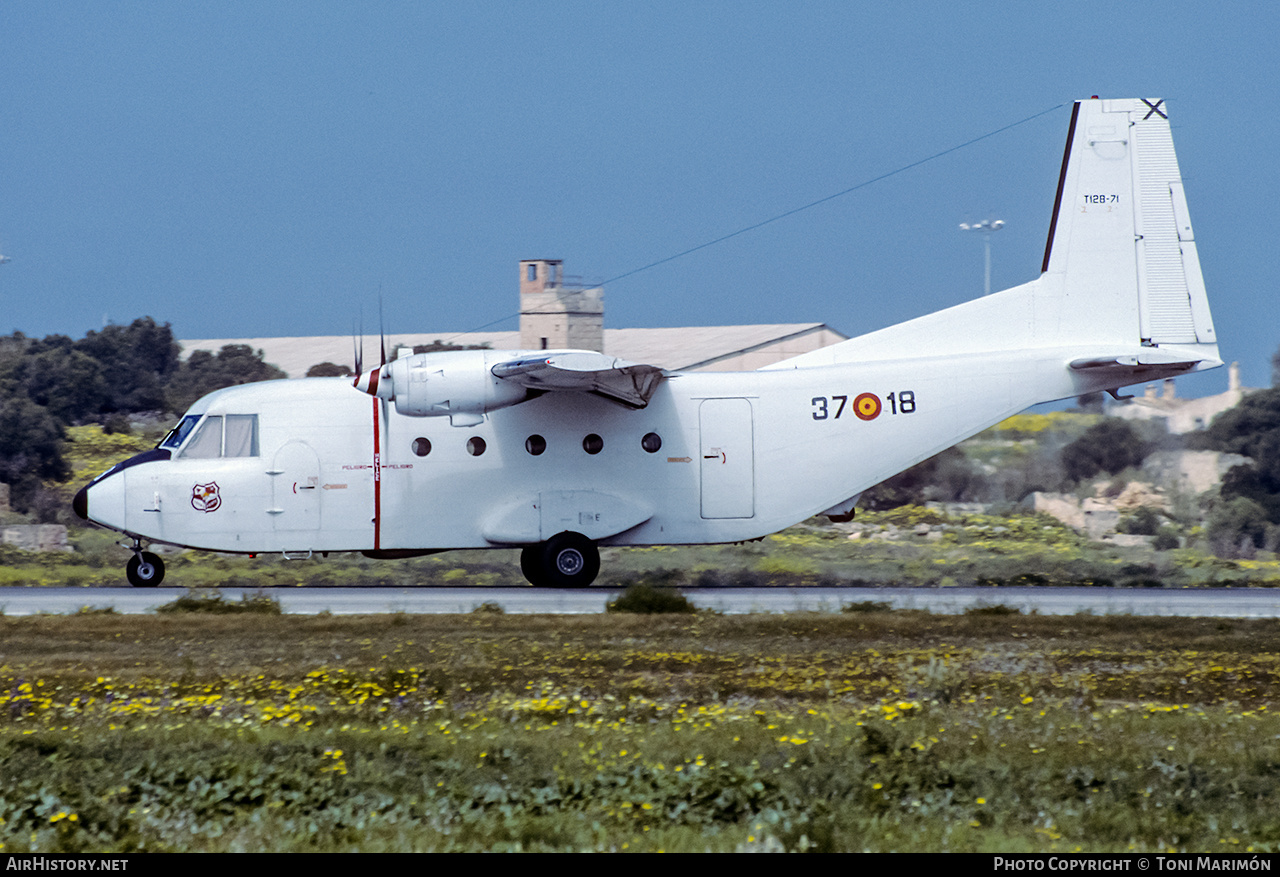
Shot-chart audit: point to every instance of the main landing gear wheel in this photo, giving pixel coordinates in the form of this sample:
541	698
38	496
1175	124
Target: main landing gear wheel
566	560
530	557
144	570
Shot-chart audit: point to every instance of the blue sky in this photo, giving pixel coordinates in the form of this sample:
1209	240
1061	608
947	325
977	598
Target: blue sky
250	169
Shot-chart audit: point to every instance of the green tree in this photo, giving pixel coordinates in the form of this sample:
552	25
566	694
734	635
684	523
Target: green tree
204	372
136	361
1237	527
1252	428
1245	428
328	370
49	383
66	382
945	477
12	349
120	369
1110	446
438	346
1143	521
31	442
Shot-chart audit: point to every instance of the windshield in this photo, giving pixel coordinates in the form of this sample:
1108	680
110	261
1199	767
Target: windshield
179	432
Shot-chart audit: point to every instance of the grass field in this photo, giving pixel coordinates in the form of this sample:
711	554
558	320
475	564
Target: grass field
845	731
1018	549
862	730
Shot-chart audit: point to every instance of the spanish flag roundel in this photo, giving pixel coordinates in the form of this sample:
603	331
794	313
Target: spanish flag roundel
867	406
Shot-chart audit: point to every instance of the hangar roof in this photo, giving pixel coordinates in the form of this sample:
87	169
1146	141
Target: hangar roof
685	348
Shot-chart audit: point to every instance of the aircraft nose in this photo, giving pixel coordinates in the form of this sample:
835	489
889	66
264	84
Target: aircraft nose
102	500
108	490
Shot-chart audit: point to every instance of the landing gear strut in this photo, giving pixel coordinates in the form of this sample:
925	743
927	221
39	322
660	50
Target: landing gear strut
144	569
566	560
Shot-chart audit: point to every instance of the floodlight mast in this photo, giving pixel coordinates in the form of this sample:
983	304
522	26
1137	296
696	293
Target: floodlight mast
987	226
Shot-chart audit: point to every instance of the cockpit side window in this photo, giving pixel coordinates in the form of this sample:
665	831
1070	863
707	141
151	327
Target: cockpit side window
207	442
242	436
179	433
235	435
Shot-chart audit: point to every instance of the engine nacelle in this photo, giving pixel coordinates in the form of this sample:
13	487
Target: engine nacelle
456	384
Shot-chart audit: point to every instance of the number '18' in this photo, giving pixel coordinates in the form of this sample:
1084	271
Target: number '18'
902	403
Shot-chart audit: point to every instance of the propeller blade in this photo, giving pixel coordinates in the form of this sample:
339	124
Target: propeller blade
382	337
355	351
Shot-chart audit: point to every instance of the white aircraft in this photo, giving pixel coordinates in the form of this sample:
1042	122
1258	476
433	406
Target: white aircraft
558	452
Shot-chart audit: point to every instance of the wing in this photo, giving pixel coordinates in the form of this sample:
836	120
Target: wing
630	383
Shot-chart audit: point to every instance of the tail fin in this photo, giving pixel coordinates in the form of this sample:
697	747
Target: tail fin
1120	276
1120	220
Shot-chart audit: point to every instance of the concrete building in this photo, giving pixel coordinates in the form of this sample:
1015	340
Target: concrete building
557	312
36	537
1181	415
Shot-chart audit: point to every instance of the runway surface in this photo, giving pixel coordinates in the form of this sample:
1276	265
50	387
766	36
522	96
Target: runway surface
1227	603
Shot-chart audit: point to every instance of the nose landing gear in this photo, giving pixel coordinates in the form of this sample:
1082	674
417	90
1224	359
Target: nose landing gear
144	569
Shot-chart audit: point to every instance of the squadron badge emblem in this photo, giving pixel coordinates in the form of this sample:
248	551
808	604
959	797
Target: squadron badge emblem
205	497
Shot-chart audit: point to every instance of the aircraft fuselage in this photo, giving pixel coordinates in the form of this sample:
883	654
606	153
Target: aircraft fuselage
714	457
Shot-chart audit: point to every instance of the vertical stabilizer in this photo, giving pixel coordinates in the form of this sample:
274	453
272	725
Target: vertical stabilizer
1121	236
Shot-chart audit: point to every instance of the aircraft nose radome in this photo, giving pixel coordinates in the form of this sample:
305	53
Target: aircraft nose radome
108	501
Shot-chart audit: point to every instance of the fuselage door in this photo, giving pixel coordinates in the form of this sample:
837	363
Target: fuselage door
295	487
728	458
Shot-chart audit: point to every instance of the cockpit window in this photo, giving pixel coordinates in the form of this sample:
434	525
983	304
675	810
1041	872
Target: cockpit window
179	433
240	438
207	442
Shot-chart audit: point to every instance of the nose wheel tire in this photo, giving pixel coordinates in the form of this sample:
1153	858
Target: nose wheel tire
144	570
566	560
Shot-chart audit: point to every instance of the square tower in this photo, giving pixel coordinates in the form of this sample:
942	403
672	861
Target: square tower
556	312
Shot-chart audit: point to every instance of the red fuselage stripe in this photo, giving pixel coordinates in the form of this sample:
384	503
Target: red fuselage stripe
377	479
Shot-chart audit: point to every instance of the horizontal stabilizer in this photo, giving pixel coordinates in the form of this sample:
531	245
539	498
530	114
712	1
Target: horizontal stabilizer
630	383
1165	359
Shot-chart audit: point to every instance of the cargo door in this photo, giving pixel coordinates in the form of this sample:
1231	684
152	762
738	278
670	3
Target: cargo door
728	459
